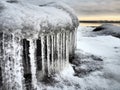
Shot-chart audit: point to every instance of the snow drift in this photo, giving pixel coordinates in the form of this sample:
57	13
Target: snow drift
108	29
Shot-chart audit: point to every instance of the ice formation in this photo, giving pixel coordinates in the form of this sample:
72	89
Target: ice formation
36	40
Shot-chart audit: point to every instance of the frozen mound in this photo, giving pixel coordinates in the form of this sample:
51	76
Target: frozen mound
34	18
108	29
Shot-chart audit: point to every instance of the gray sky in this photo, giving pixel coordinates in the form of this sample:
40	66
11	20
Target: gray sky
95	7
85	9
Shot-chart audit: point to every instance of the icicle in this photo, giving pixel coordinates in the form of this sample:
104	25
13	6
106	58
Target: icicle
10	55
64	49
33	63
67	47
61	51
43	53
55	53
73	48
58	50
75	33
71	43
18	65
7	59
48	54
52	52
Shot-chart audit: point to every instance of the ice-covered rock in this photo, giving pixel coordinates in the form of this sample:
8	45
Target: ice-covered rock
108	29
36	40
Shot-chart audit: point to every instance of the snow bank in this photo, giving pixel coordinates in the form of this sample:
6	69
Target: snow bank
108	29
37	17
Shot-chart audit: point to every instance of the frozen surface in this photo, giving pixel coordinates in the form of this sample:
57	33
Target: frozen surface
99	58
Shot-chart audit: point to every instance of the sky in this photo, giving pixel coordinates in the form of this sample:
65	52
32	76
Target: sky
92	9
96	9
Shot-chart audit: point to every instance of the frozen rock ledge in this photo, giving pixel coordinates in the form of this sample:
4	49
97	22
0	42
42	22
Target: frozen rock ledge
35	41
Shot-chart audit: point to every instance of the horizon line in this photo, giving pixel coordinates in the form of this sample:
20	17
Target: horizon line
99	21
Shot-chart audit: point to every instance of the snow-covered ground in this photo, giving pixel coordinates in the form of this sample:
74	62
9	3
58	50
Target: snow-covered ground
97	64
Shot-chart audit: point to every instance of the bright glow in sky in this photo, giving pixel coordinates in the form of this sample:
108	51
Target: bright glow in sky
100	17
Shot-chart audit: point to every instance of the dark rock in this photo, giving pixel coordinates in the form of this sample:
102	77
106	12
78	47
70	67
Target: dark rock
99	28
108	29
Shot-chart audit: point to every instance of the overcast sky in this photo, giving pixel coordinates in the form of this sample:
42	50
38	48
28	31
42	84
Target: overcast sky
106	9
95	7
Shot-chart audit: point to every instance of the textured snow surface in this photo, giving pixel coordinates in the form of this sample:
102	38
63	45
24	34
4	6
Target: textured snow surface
34	17
99	58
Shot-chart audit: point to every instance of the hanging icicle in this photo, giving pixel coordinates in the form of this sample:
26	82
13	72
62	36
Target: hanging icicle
48	54
8	59
64	49
18	64
32	51
52	37
43	54
58	50
67	47
10	56
73	49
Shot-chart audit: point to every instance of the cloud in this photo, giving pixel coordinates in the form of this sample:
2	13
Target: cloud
94	7
89	7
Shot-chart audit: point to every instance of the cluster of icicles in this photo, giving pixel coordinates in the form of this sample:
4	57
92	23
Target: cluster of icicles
24	62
